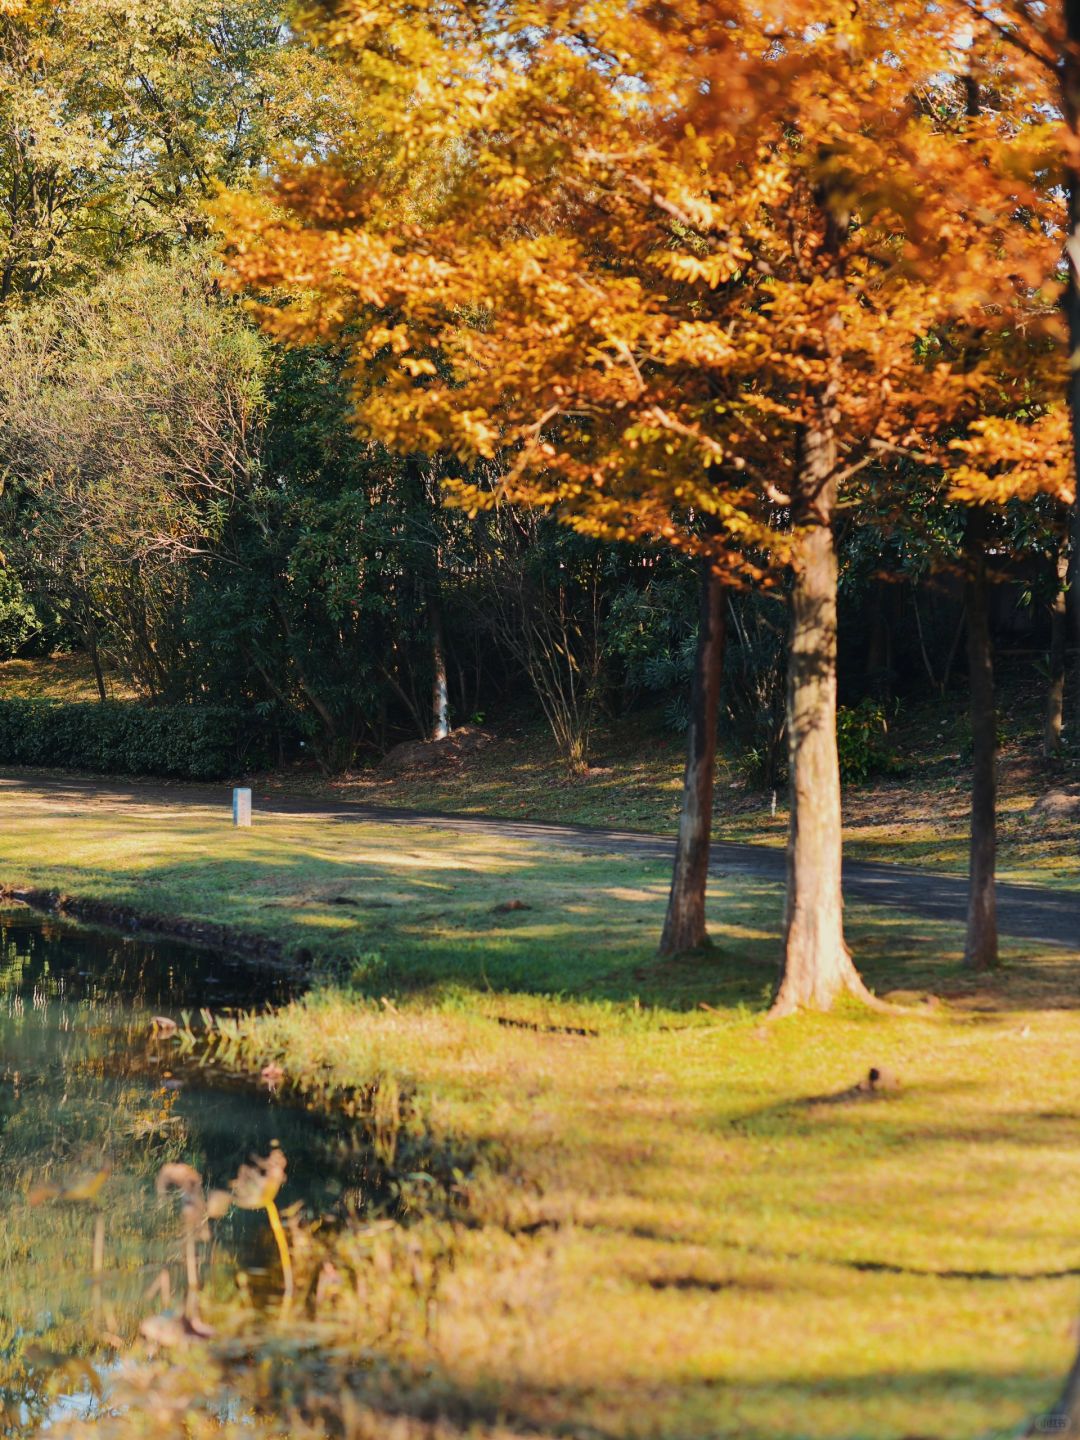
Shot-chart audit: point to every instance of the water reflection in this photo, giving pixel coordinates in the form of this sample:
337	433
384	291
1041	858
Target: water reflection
91	1106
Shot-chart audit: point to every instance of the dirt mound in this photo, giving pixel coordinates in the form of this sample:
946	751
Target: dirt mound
434	754
1058	805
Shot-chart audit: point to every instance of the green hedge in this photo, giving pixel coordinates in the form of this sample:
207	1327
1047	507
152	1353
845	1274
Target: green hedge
183	742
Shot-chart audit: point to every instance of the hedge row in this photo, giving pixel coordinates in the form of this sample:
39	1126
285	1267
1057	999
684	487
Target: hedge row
183	742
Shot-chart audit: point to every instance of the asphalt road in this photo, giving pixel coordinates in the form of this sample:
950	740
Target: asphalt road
1025	912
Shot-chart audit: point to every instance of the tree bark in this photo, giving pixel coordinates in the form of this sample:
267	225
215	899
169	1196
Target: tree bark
817	965
440	691
981	945
684	925
95	660
1055	692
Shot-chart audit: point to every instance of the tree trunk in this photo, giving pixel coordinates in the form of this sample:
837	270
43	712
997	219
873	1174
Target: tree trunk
1072	599
440	692
684	925
95	660
981	945
817	965
1055	693
1071	111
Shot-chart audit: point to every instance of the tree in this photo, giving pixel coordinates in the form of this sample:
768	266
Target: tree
117	120
130	416
1038	51
320	594
585	315
981	941
666	319
542	596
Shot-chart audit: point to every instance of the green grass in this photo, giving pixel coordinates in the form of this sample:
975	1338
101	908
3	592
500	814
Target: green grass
708	1254
676	1224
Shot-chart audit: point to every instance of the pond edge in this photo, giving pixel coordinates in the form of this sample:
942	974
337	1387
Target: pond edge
209	933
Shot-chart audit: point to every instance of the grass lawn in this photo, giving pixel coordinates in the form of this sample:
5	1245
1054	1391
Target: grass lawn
669	1221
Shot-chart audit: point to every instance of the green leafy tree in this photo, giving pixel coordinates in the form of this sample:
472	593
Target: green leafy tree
119	118
130	417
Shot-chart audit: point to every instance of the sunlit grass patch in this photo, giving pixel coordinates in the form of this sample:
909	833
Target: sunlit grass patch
711	1239
67	678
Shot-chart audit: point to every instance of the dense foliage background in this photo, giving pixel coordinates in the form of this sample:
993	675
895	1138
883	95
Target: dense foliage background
184	498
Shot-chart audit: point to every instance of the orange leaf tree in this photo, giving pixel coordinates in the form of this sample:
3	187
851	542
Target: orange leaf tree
678	273
1036	54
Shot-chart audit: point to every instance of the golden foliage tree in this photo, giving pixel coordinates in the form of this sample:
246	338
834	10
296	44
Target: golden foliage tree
1036	55
684	274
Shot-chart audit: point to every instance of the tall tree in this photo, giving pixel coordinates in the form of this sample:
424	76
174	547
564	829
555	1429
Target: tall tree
684	923
664	317
130	419
117	120
981	942
1039	54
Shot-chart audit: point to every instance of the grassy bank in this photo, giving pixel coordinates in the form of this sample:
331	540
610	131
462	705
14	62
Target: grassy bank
668	1220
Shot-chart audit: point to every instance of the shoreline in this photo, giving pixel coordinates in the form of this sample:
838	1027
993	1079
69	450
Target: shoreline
206	934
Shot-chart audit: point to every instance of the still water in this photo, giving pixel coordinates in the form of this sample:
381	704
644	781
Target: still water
91	1106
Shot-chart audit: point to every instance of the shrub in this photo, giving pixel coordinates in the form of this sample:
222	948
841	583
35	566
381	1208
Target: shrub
862	739
18	620
181	742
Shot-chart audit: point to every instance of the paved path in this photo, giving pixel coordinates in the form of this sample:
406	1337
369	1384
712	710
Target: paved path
1025	912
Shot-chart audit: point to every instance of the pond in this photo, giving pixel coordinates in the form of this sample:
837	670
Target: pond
92	1104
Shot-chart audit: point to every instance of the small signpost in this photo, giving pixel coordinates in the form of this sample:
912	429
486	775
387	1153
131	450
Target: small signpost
241	806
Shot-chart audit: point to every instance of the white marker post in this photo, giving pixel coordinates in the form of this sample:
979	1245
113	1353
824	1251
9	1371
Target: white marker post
241	807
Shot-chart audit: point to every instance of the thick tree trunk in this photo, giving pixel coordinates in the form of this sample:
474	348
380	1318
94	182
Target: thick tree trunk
684	925
440	691
817	965
981	945
1055	690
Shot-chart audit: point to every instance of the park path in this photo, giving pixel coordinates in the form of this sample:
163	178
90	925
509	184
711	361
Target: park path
1025	912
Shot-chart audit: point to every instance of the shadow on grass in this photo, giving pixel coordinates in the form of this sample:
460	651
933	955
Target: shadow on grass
711	1407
